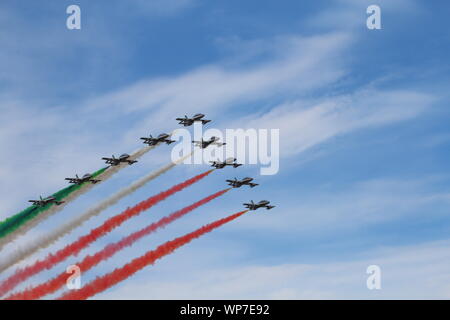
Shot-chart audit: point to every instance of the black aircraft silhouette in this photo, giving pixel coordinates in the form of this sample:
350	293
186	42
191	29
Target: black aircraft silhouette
239	183
116	161
261	204
163	137
190	121
86	178
44	201
222	164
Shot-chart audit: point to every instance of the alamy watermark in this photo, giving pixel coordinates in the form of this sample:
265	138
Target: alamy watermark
73	21
247	146
373	22
73	282
374	278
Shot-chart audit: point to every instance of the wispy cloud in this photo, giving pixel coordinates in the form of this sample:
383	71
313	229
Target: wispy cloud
351	14
335	208
294	68
60	115
414	272
296	65
307	123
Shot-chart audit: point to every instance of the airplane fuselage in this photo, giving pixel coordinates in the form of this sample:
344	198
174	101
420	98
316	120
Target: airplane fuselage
261	204
116	161
190	121
239	183
44	201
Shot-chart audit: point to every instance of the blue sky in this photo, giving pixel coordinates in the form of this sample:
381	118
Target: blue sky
363	117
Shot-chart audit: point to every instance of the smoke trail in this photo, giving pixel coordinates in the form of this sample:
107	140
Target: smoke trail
83	241
104	282
91	261
47	240
13	222
22	223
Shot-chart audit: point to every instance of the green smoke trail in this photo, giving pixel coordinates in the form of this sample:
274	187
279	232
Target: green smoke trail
14	222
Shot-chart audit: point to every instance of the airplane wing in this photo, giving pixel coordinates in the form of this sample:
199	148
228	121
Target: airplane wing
38	203
168	141
251	184
184	121
112	161
270	207
150	141
217	165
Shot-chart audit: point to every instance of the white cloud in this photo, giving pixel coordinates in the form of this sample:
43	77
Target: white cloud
50	143
414	272
336	208
44	145
351	14
304	64
59	141
305	124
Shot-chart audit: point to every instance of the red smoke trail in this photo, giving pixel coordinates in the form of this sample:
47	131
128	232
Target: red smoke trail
104	282
82	242
91	261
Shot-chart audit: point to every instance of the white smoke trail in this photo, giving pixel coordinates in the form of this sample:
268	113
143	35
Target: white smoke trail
47	240
108	173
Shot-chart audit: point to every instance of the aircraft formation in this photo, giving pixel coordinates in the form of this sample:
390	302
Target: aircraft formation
165	138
